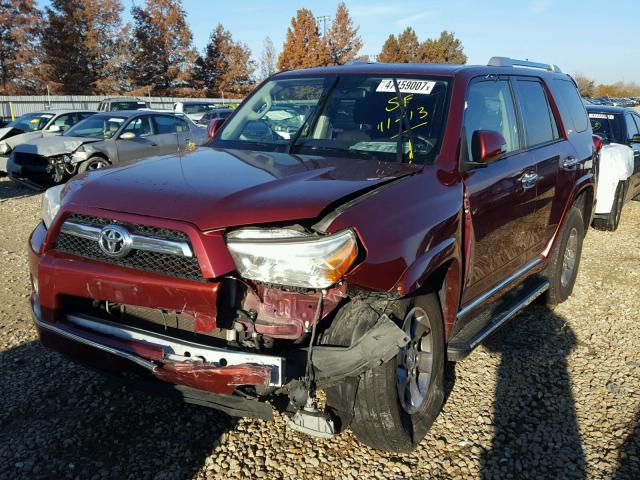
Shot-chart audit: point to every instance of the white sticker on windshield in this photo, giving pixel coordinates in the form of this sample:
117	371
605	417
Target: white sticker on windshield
46	115
601	115
422	87
117	120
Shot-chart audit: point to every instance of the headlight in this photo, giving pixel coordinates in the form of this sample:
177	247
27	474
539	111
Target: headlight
291	258
80	153
4	148
51	204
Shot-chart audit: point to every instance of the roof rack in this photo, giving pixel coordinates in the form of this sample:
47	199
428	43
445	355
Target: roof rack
512	62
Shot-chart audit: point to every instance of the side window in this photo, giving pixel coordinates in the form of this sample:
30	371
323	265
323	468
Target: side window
539	124
165	124
140	126
572	109
65	122
489	106
632	128
181	125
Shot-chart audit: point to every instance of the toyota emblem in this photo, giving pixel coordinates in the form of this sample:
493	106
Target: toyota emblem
114	241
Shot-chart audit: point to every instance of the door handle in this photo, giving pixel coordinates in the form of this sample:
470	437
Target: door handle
569	163
529	180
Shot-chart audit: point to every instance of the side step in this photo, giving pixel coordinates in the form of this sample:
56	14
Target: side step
472	334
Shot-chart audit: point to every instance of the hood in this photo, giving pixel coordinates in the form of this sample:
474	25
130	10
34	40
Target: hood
214	188
7	132
28	137
55	145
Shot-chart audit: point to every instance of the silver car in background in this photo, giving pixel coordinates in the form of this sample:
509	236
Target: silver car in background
34	125
101	140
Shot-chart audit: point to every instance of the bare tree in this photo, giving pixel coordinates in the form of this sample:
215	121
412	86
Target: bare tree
268	59
586	86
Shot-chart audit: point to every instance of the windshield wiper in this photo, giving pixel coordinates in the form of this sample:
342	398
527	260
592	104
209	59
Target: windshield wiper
404	123
322	101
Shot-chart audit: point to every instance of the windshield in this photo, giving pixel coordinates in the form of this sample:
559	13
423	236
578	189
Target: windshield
350	116
101	127
31	122
607	126
197	107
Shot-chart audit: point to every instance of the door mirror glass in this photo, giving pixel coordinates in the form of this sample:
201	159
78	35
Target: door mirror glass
54	129
127	136
487	146
214	126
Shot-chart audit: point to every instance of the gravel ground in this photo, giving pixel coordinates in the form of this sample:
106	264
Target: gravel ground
552	395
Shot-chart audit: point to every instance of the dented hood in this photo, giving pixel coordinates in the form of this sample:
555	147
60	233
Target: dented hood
8	132
56	145
28	137
214	188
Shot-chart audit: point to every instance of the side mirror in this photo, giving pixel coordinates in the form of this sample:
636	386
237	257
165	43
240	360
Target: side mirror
54	129
127	136
214	126
487	146
635	138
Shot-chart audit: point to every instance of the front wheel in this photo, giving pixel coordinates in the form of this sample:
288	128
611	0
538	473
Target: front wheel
396	403
93	163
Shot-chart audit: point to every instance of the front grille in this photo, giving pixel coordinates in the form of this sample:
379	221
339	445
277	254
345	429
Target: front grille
30	159
154	262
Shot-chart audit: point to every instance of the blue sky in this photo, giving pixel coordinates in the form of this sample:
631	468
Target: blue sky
579	36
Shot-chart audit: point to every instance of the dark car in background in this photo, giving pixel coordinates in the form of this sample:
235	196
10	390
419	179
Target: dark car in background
36	125
118	104
102	140
415	210
214	113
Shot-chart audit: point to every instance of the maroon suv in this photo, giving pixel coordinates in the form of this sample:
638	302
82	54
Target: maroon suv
349	229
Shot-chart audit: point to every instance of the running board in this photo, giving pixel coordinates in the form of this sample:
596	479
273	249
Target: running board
469	337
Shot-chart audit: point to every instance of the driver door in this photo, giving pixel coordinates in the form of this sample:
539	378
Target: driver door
143	145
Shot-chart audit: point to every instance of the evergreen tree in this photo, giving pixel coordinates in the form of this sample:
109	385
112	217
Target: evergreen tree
162	54
343	42
446	49
226	67
19	35
304	47
80	41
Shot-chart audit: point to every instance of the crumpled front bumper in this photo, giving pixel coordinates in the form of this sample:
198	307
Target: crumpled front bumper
176	361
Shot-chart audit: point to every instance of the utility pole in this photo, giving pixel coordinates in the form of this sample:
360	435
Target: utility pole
323	19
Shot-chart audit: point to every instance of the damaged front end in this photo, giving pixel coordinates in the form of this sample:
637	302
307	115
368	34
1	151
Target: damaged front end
233	341
39	171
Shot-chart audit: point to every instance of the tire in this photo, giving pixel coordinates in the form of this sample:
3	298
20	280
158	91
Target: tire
562	269
94	163
610	222
380	419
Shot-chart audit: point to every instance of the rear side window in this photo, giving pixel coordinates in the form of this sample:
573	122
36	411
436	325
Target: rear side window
632	129
490	106
572	109
539	124
166	124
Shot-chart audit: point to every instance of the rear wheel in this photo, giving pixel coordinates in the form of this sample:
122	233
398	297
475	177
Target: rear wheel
611	221
94	163
395	404
562	269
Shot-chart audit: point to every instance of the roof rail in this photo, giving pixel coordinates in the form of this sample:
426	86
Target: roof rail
512	62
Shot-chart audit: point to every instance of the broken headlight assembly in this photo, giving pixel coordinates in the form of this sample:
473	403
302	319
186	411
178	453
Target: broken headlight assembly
292	258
